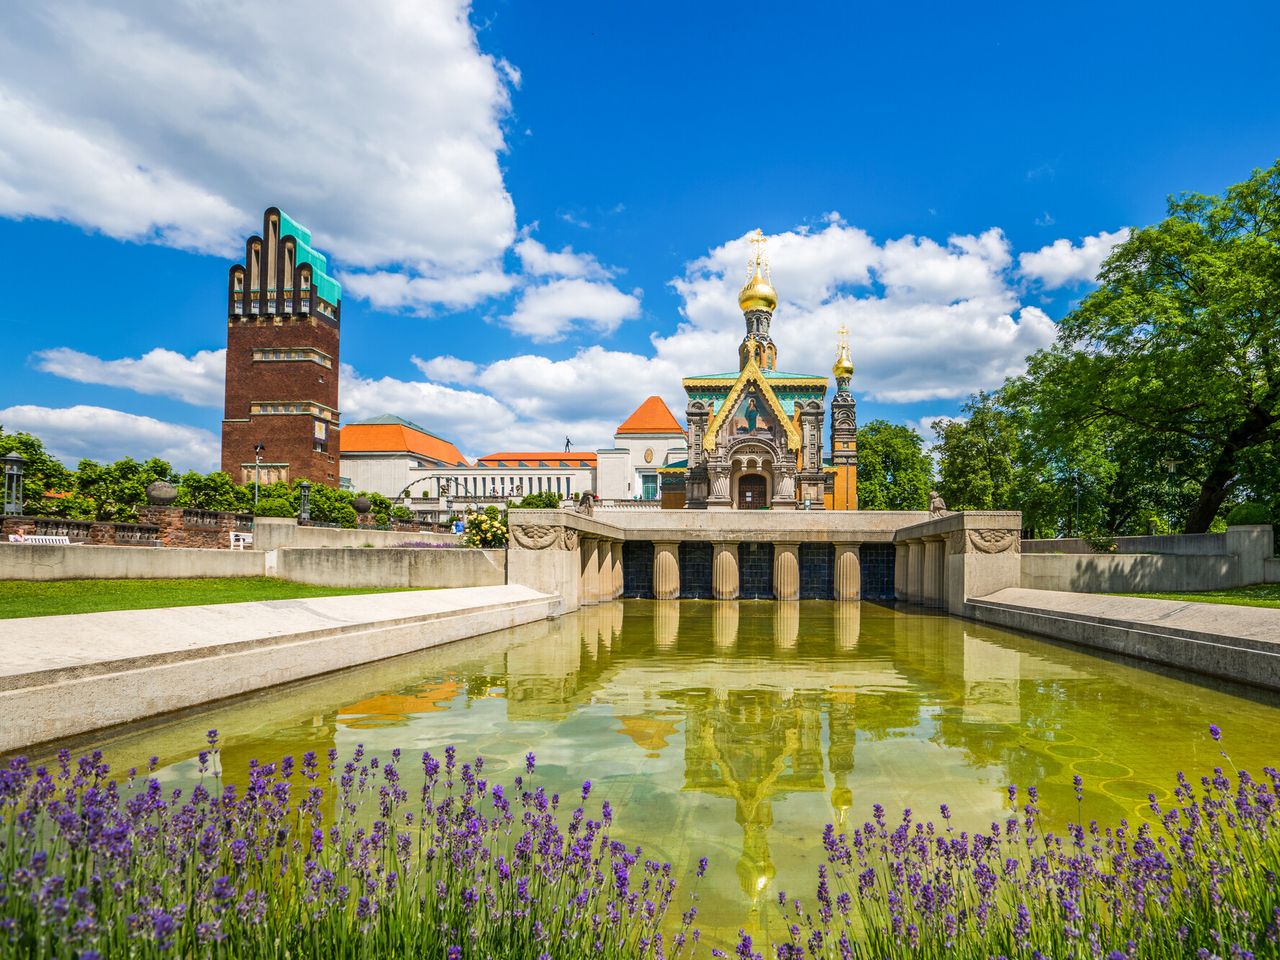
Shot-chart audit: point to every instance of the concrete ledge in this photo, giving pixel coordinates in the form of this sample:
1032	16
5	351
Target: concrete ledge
1232	642
392	567
61	676
27	561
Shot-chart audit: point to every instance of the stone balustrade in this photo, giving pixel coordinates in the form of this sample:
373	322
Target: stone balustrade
938	561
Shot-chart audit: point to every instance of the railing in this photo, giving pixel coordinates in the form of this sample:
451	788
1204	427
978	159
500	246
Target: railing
56	527
628	504
202	519
243	522
136	533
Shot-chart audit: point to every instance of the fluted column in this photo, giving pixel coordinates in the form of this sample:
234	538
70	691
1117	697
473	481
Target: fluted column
934	557
786	571
590	588
848	572
900	567
848	625
915	571
615	549
666	570
724	571
604	571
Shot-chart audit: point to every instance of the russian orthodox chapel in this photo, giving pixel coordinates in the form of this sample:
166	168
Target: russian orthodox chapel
756	435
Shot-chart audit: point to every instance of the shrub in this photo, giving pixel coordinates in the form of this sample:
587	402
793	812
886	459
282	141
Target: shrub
1248	512
547	500
273	507
487	529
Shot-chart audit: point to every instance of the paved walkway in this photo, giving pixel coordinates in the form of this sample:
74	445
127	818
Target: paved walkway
66	675
1234	642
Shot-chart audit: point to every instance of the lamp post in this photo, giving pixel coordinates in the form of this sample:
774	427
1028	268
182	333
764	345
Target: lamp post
14	466
257	470
1170	467
304	502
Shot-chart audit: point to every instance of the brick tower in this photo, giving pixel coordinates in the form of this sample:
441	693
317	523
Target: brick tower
283	311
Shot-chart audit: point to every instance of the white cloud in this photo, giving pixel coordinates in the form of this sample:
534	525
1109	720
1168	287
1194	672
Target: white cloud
378	124
1062	263
197	379
447	369
389	290
548	311
100	433
538	261
945	321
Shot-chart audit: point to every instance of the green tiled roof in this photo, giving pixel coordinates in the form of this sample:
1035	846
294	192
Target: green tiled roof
325	286
768	375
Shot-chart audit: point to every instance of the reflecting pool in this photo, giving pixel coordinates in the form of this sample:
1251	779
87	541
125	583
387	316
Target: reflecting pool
736	730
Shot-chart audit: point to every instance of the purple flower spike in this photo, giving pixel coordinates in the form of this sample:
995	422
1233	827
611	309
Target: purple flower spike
529	761
1215	731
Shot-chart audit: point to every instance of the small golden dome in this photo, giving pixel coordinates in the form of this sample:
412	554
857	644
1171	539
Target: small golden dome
843	367
758	294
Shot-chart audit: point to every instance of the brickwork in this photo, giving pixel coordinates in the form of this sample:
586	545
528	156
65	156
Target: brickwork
282	365
83	531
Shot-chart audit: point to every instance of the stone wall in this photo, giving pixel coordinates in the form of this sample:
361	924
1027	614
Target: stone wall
422	567
27	561
1242	555
83	531
274	533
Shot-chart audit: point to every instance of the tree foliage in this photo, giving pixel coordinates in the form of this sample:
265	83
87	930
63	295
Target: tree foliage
894	471
1176	355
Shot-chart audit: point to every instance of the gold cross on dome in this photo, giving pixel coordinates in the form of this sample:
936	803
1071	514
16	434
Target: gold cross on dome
758	241
843	334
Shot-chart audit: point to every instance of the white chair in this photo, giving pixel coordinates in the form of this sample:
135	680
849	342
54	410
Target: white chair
41	541
241	540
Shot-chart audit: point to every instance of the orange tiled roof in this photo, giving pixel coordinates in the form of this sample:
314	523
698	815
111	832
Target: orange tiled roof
652	416
398	438
527	458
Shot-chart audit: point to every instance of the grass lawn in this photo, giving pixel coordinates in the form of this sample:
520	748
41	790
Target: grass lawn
44	598
1255	595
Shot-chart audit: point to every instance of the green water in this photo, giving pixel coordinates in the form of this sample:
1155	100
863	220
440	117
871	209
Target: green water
737	730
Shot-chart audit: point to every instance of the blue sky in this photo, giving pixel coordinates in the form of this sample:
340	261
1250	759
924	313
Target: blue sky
538	210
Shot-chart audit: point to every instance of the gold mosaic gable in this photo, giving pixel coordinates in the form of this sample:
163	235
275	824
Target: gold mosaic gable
751	374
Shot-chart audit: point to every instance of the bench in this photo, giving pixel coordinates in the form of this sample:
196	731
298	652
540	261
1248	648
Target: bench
41	541
241	540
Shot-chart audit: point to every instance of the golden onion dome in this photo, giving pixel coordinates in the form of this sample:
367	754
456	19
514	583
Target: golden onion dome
843	367
758	293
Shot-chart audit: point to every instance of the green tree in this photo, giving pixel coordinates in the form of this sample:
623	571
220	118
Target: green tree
116	490
978	457
273	507
380	507
894	472
213	491
1181	344
43	473
547	500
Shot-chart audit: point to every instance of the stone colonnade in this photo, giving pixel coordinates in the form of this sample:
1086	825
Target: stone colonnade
725	573
601	569
947	559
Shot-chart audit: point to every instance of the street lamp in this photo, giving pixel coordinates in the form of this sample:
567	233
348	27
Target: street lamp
304	502
1170	467
14	465
257	470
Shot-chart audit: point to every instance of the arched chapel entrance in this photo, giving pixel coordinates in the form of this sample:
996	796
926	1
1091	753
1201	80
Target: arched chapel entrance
753	492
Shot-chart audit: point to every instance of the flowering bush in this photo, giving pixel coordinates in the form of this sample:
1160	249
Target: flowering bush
319	860
1201	881
487	529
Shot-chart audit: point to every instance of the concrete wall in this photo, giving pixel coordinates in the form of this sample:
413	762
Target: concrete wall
1128	573
1243	556
274	533
405	567
24	561
1271	570
1190	544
